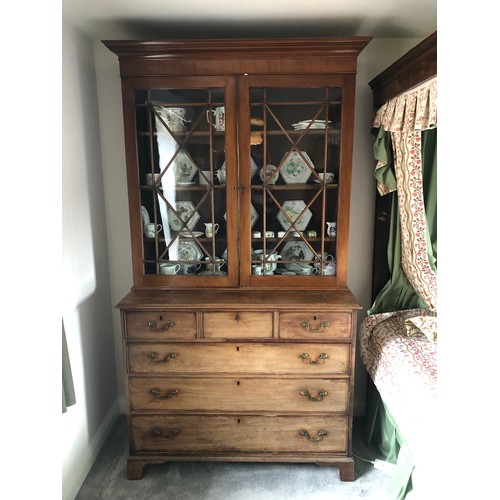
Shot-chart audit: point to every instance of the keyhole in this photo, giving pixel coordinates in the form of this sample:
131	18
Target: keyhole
161	317
238	382
314	318
237	348
239	420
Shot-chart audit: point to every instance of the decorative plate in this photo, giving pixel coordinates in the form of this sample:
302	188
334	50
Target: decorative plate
297	251
145	216
294	169
189	250
184	168
253	216
293	208
184	209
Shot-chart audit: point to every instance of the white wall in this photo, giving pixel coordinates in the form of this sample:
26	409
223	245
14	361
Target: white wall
86	306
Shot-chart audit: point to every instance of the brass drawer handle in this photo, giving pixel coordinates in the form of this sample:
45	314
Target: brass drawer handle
154	326
157	394
321	435
320	361
306	326
158	434
168	357
319	397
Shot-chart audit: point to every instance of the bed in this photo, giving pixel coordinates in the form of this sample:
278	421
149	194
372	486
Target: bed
398	345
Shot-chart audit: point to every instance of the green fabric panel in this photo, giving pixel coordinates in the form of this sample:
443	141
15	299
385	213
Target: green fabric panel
382	151
429	178
398	294
68	390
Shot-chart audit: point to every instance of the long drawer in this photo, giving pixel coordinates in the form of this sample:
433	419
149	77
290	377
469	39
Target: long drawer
242	434
269	359
239	394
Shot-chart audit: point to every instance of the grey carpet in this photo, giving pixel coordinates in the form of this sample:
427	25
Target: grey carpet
229	481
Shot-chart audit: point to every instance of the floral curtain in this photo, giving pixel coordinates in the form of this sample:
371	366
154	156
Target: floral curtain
401	123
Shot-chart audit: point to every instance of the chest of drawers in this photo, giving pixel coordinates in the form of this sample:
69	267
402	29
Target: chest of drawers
236	375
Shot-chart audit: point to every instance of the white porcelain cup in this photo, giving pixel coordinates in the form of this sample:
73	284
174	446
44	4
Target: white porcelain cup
257	270
151	231
211	229
214	264
151	179
218	119
307	270
328	176
221	175
169	268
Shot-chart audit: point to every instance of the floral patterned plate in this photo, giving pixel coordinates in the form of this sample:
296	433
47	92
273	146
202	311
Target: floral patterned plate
293	208
294	169
184	209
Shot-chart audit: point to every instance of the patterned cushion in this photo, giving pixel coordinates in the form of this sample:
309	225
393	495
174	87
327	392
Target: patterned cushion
422	326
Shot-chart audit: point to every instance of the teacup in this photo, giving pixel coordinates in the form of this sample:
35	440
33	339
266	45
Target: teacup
269	266
150	230
214	264
258	270
219	118
307	270
169	268
190	268
211	229
328	177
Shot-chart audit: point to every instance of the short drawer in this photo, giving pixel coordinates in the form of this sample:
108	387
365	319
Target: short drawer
237	325
216	358
315	325
244	433
239	394
156	325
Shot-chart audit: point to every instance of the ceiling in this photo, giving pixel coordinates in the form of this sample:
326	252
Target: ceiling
167	19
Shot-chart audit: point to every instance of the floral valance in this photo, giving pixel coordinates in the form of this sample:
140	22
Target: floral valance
413	110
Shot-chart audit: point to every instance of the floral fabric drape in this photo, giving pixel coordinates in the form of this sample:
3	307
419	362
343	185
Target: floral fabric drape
405	117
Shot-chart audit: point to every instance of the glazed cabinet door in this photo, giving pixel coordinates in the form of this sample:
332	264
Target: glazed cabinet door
182	178
295	140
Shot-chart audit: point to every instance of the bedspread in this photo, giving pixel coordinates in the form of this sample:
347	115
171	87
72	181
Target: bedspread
403	367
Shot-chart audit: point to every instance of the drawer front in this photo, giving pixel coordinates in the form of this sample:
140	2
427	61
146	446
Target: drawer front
191	433
315	325
266	359
239	394
238	325
156	325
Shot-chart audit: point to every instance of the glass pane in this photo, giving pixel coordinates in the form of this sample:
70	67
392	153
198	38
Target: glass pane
295	143
181	144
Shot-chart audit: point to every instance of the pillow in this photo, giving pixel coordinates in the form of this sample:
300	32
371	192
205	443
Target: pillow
422	326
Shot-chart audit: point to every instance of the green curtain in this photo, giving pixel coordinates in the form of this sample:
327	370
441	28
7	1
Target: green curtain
68	390
398	294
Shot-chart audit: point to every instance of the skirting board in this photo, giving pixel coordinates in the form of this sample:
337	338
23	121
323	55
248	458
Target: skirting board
88	458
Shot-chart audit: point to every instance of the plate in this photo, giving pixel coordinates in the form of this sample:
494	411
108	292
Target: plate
253	216
296	250
185	209
293	209
294	169
188	250
253	167
193	234
145	216
184	168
